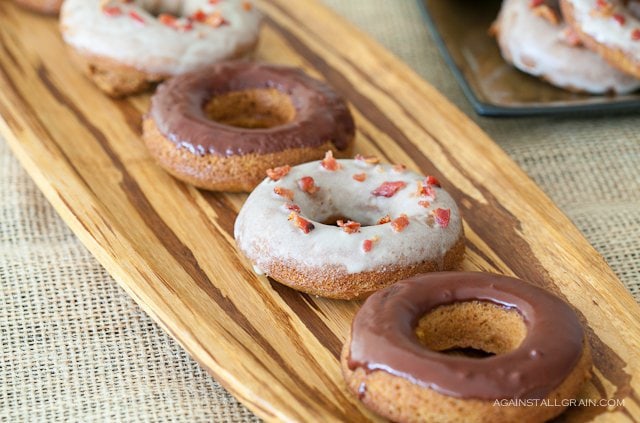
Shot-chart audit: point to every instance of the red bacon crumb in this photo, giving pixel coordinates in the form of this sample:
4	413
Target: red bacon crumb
388	189
349	226
136	17
247	6
603	8
619	18
442	217
283	192
360	177
215	20
424	204
384	220
292	207
329	162
214	1
635	35
303	224
398	224
199	16
367	245
426	190
112	11
432	180
308	185
278	173
367	159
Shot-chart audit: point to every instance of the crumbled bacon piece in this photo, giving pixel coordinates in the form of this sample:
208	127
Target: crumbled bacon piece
635	35
199	16
360	177
367	245
349	226
432	180
426	190
384	220
303	224
603	8
424	204
278	173
292	207
247	6
308	185
283	192
136	17
398	224
215	19
112	11
619	18
329	162
399	168
175	23
388	189
214	1
442	217
367	159
571	37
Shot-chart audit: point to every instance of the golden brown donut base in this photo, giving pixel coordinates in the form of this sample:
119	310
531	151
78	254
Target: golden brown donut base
218	173
338	284
46	7
119	80
460	325
614	57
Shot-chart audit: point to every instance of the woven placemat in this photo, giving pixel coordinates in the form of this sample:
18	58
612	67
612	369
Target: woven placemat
75	347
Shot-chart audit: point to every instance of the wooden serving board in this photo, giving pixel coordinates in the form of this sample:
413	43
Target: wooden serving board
171	246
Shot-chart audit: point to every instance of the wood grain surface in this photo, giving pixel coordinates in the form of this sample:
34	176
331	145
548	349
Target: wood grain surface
171	246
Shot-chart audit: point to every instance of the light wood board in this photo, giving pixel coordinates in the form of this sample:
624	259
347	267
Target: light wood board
171	246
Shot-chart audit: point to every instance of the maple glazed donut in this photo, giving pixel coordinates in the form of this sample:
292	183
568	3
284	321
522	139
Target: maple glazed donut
395	357
346	228
533	37
222	127
125	46
47	7
609	27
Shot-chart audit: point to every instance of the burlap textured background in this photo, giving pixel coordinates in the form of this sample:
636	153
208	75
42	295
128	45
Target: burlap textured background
75	347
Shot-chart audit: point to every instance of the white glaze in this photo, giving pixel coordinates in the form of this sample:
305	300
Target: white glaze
605	30
536	46
155	47
265	235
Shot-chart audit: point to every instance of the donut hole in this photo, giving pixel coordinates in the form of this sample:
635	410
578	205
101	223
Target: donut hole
259	108
475	329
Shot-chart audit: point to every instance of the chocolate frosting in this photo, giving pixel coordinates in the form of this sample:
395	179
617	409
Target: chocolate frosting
177	109
383	337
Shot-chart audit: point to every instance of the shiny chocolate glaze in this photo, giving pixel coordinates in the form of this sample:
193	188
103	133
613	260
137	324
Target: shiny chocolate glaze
383	337
177	109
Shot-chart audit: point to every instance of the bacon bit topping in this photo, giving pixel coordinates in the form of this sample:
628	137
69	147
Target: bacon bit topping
292	207
426	190
367	159
199	16
367	245
547	13
399	168
278	173
247	6
215	19
619	18
283	192
384	220
388	189
111	11
571	37
442	217
329	162
424	204
603	8
349	226
398	224
303	224
635	35
308	185
432	180
136	17
214	1
175	23
360	177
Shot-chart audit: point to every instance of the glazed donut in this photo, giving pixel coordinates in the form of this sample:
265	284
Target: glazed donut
127	45
222	127
346	228
404	356
532	38
47	7
608	27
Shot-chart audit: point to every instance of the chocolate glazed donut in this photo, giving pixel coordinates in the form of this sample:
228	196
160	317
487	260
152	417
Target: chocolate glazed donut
221	128
394	360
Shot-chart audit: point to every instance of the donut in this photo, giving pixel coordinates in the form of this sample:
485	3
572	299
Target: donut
222	127
346	228
47	7
609	27
465	346
533	38
125	46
